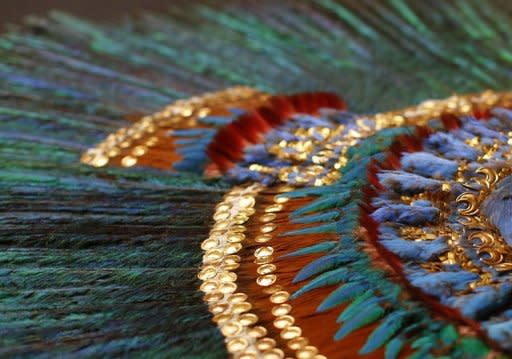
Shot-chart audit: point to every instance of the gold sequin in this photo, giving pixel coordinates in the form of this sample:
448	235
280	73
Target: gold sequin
237	345
248	319
237	298
297	343
268	217
280	199
266	344
257	332
266	269
180	114
241	307
263	238
209	243
139	151
263	252
284	321
235	237
231	329
273	354
291	332
279	297
308	352
268	228
266	280
282	309
274	208
128	161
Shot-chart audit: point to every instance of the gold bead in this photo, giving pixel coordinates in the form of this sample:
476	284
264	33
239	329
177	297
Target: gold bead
231	329
113	152
264	260
236	228
223	207
139	151
246	201
279	297
307	352
263	238
258	332
291	332
221	215
217	233
213	296
125	144
137	135
272	289
233	258
209	286
274	208
237	298
248	355
273	354
266	344
283	321
221	225
268	217
266	280
230	266
243	307
281	309
237	345
218	308
235	237
263	252
209	243
266	269
222	318
213	254
297	343
227	277
267	228
228	288
240	218
232	248
248	319
203	112
280	199
187	111
99	160
207	273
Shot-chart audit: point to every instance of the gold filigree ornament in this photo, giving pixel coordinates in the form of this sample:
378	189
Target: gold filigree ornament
486	239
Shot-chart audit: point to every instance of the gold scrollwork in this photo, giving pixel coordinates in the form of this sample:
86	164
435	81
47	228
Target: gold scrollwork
489	245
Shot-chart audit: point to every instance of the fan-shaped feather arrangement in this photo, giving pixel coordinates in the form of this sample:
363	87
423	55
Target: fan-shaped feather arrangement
259	180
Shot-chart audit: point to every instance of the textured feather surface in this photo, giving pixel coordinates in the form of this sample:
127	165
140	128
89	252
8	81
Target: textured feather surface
102	262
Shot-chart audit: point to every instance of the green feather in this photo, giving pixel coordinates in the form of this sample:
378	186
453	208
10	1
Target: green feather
341	295
364	317
386	330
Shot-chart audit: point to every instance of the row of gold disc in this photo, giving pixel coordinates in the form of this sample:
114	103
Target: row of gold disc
231	309
267	278
128	144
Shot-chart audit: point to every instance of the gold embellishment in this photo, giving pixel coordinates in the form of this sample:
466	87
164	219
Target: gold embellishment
281	310
143	134
231	310
319	143
489	244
